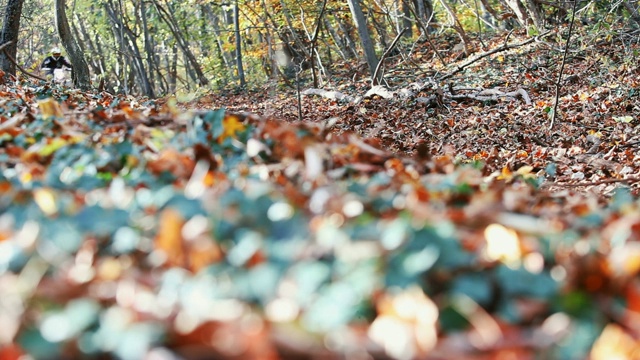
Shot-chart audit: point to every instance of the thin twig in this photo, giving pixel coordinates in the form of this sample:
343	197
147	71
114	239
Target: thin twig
564	61
314	41
425	31
386	53
298	71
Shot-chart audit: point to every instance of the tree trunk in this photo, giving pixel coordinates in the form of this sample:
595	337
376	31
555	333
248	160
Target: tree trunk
120	68
148	48
173	69
380	28
457	26
365	38
344	53
633	11
97	62
236	20
535	13
488	8
299	44
223	55
521	12
10	32
81	76
406	19
181	42
132	45
346	39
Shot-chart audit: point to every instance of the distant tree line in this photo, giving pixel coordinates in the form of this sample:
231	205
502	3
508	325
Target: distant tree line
160	47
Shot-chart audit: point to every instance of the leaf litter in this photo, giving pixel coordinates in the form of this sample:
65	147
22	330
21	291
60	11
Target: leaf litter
386	227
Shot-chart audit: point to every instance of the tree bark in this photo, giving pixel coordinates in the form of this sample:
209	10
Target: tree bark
182	43
406	19
346	39
236	20
149	49
535	12
132	45
365	38
344	53
10	32
457	26
81	76
521	12
97	63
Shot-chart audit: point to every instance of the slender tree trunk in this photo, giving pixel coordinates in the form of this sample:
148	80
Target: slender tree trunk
490	9
521	12
236	19
406	18
81	76
87	45
344	53
181	42
380	29
314	40
121	61
535	12
299	44
173	68
131	43
468	47
365	38
348	41
633	11
224	56
10	32
149	48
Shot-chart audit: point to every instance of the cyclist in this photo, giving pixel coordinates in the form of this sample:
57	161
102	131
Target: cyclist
55	61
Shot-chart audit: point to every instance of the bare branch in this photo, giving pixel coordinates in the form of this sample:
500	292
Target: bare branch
6	53
564	61
386	52
502	48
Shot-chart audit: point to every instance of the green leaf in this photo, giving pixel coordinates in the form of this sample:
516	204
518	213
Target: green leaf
37	346
215	120
451	320
520	282
477	286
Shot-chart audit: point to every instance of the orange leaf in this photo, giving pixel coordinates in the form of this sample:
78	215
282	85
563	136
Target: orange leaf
170	160
182	247
169	237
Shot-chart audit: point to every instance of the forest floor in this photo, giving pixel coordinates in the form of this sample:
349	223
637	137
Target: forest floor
591	143
447	218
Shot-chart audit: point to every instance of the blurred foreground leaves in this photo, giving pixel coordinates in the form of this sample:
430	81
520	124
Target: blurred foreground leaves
137	230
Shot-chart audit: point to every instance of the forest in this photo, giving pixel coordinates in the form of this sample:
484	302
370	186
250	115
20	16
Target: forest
360	179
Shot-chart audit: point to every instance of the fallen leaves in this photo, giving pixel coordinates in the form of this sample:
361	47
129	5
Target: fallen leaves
50	108
384	229
406	325
185	243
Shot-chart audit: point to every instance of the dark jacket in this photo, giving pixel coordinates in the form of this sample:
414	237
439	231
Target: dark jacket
50	63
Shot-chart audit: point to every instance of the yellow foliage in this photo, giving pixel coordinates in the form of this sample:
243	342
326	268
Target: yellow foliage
50	108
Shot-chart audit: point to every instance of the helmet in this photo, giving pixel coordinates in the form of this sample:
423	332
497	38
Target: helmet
55	51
